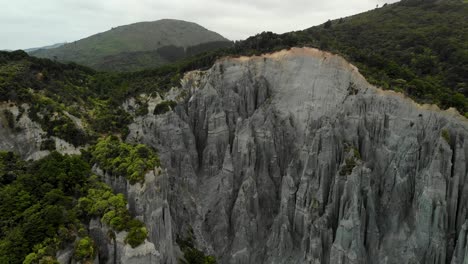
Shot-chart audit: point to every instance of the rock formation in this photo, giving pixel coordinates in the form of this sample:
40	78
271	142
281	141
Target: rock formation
292	157
18	133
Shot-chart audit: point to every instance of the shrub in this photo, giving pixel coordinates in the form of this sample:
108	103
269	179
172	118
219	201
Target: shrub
85	249
48	144
142	109
446	135
164	106
136	236
191	254
10	118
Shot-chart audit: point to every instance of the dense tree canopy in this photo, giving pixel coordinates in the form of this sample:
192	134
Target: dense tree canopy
45	204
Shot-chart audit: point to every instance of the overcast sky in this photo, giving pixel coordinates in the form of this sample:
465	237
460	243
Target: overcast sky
30	23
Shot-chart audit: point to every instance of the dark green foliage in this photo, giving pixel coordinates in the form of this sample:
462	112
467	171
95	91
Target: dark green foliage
207	47
141	60
142	109
36	201
164	107
136	235
191	254
10	118
10	167
44	205
108	118
122	159
85	250
48	144
44	253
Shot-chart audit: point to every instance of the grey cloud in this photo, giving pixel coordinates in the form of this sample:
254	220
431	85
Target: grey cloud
26	23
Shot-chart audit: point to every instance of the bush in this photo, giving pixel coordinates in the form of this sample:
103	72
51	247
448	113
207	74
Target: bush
48	144
136	236
142	109
10	118
191	254
85	249
163	107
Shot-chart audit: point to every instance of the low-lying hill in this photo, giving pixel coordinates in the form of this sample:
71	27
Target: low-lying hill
135	46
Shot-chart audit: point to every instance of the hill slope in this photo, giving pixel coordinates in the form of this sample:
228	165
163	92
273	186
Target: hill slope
99	49
418	48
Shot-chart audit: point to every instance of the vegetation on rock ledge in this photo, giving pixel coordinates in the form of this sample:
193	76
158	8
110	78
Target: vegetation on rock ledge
123	159
191	254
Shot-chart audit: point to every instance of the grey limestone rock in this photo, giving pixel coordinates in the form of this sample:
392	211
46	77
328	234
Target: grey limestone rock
292	157
20	134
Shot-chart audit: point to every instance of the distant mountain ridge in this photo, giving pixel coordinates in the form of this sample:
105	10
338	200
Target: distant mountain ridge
45	47
99	51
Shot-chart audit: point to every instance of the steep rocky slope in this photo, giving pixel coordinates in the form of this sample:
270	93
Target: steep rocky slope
292	157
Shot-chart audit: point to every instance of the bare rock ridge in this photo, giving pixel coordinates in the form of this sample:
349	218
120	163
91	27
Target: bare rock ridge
292	157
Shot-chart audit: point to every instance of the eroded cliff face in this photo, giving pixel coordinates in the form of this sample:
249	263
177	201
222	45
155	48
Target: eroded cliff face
293	157
20	134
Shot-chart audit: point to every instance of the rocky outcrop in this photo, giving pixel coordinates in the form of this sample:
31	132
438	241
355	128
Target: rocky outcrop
148	202
116	251
20	134
292	157
111	248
